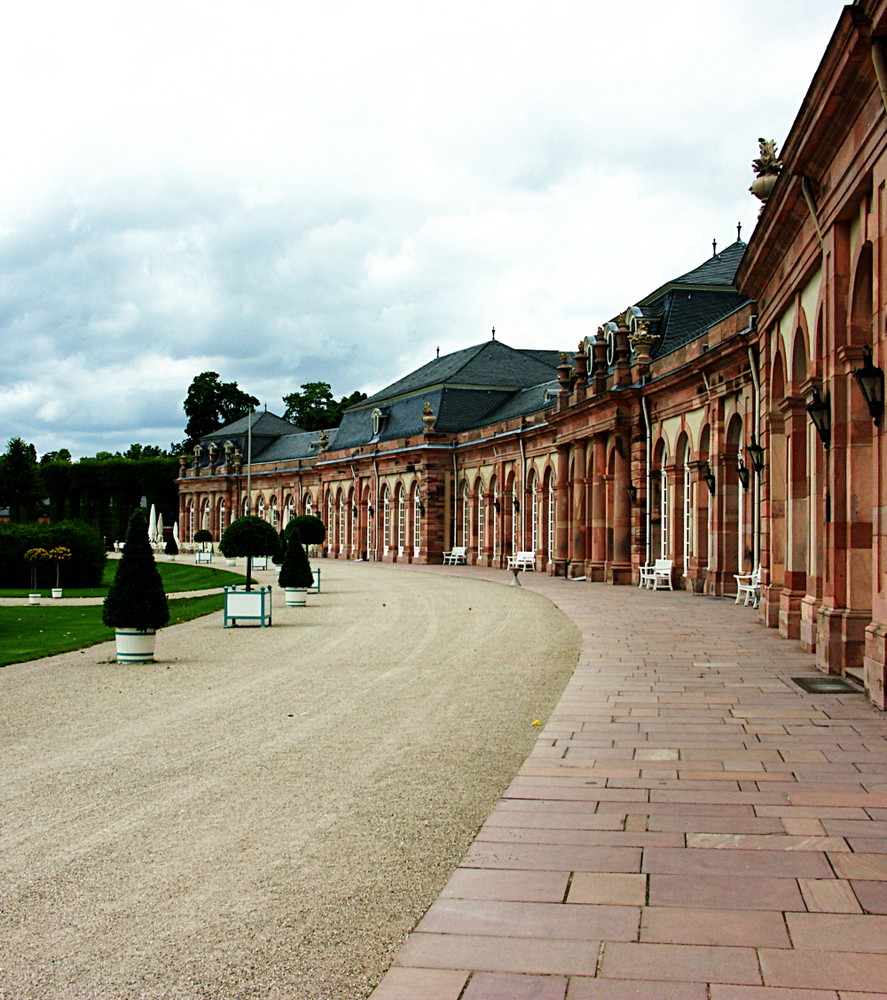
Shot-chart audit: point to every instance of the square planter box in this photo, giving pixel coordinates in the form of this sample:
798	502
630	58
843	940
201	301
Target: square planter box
203	557
315	587
243	605
260	562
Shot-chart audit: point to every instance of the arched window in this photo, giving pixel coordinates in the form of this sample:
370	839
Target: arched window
246	510
309	506
401	522
221	516
261	508
417	521
189	511
204	515
290	511
272	512
466	516
340	511
481	511
549	497
534	512
495	515
386	521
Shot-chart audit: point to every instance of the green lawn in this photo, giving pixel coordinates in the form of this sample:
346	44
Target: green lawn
27	633
177	577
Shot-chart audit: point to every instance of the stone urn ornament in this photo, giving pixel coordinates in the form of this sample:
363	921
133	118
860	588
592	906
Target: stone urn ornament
767	166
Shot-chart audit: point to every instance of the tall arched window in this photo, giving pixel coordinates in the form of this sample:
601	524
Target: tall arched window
261	508
466	516
480	519
688	512
273	513
340	512
190	515
495	515
290	512
204	515
401	522
417	522
549	498
386	521
664	509
246	510
534	513
221	516
309	506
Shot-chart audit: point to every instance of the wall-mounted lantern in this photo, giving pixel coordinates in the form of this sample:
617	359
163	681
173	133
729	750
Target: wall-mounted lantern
496	505
744	474
632	492
821	416
354	511
516	504
370	510
710	481
870	380
756	454
421	508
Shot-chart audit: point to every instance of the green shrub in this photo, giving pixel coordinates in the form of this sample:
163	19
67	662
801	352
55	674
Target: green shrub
278	556
295	571
312	531
83	569
136	598
171	548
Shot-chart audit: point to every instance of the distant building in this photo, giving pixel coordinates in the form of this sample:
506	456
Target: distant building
684	429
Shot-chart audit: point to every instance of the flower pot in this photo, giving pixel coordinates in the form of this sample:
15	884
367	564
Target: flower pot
294	596
56	591
135	645
33	598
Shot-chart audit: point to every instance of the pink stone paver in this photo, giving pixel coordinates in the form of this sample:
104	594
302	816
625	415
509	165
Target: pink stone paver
691	825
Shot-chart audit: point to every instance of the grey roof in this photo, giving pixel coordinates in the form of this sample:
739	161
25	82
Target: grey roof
491	364
717	272
264	424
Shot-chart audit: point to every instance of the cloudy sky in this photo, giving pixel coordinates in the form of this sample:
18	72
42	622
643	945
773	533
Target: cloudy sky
285	192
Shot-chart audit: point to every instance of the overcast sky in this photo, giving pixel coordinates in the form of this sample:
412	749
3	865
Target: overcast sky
285	192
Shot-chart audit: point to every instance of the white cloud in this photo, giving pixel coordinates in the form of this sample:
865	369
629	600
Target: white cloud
288	192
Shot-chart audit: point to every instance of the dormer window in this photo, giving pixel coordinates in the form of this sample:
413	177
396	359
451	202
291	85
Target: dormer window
378	417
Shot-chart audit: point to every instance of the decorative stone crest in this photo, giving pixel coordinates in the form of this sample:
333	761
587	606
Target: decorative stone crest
323	440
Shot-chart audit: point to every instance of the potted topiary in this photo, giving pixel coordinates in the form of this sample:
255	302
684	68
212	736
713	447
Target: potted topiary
295	572
171	548
203	554
136	604
251	537
312	530
34	557
58	555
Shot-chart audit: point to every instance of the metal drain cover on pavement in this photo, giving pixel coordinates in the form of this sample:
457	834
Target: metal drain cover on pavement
826	685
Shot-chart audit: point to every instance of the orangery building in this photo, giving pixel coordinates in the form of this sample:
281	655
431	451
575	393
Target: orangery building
728	422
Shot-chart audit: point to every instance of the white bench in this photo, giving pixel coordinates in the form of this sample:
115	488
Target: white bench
748	587
659	573
455	556
522	560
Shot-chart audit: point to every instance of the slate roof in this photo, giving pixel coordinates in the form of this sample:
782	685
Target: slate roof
491	364
684	308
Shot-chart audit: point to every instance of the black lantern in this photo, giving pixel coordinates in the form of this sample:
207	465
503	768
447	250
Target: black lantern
421	508
870	380
354	510
821	416
516	503
632	492
756	454
497	506
743	473
370	510
710	481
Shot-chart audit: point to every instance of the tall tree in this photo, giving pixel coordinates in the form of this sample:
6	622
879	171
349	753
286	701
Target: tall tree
210	404
62	455
315	407
20	487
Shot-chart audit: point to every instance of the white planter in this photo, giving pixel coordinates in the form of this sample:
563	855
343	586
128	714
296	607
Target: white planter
203	557
294	597
56	591
170	558
230	562
260	562
135	645
243	605
33	598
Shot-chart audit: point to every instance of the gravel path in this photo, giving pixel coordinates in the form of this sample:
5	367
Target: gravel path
263	813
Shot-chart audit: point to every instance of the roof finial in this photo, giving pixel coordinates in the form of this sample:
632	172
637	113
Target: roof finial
714	248
438	352
494	333
738	231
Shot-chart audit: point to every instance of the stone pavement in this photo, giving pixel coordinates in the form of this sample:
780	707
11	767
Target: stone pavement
691	825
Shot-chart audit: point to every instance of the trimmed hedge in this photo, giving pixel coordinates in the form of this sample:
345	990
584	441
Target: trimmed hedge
136	598
83	569
295	570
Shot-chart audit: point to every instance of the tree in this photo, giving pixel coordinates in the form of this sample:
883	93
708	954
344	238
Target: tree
210	404
21	489
62	455
315	408
140	451
310	529
249	536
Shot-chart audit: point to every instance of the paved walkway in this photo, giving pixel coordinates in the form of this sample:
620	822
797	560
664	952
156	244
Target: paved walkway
691	826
